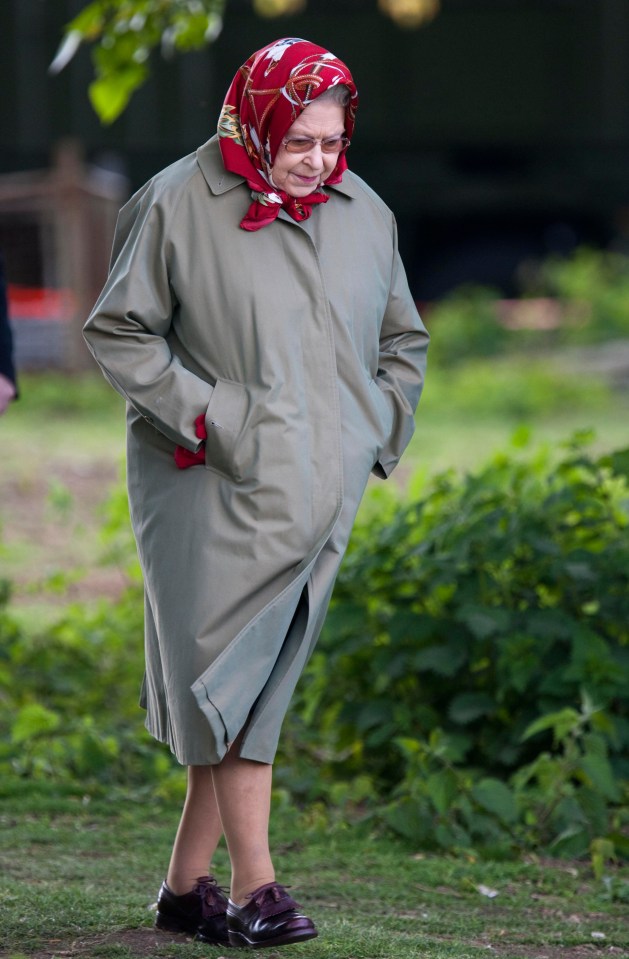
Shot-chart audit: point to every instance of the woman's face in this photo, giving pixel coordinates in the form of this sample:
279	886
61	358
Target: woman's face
298	174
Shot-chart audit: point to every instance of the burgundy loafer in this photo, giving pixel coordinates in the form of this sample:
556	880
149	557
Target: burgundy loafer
270	918
201	912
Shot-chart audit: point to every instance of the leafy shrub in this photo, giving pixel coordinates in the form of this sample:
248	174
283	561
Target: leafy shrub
69	694
577	300
68	698
469	635
470	689
593	286
465	324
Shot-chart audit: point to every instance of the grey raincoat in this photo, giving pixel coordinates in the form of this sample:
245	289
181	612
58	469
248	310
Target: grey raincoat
301	346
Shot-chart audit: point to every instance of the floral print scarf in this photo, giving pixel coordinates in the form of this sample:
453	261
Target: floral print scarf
265	98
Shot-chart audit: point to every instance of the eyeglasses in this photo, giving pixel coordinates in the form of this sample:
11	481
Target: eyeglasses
306	144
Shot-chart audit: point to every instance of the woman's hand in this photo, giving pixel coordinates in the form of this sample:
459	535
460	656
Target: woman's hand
7	392
185	458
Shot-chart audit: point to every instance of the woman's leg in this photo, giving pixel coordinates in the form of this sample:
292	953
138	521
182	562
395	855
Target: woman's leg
233	797
198	834
243	794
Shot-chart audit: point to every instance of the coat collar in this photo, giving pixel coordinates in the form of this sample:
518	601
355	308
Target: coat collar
221	180
210	162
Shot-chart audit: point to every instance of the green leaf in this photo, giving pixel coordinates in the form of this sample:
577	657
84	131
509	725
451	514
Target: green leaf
521	437
33	721
496	797
602	851
466	707
90	21
485	621
618	461
410	819
572	841
109	94
621	843
443	788
443	660
599	771
562	722
193	30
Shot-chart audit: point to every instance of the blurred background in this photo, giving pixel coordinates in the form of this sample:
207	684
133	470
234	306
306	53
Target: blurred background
497	131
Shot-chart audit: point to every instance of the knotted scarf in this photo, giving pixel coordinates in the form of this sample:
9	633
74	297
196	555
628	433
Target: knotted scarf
265	98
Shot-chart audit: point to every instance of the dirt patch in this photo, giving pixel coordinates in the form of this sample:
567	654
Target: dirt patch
147	941
51	523
139	942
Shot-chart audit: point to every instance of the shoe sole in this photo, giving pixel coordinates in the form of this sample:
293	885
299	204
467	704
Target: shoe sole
170	924
239	941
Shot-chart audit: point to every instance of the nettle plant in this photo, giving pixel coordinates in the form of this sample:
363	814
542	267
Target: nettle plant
475	664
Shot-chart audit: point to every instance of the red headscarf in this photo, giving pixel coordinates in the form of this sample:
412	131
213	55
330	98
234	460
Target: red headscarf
265	98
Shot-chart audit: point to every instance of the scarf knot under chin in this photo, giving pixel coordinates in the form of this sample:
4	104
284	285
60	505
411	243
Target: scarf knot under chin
266	207
265	98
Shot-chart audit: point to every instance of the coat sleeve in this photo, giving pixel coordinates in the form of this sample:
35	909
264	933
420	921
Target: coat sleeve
401	364
128	327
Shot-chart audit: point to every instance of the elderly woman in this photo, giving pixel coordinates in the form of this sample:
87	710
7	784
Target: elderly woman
258	321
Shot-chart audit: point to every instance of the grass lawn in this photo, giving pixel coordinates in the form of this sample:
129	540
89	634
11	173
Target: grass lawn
78	876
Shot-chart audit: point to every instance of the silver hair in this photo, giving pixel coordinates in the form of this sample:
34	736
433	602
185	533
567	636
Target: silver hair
339	93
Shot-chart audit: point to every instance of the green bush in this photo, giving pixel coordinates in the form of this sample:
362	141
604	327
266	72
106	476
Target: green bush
578	300
475	662
470	689
465	324
69	694
68	697
593	286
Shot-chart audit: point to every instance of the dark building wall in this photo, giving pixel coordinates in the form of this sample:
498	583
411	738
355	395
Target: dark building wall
499	130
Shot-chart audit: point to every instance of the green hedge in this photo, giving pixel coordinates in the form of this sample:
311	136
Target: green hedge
470	690
474	669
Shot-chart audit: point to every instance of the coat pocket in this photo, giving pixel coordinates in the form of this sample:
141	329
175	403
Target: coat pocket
225	420
385	411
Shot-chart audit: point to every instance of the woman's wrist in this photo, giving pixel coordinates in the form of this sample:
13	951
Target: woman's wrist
7	392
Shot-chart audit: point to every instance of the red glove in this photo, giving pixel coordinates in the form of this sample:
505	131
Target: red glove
183	457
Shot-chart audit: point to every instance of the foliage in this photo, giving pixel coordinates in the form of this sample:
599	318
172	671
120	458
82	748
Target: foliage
470	690
593	286
68	698
474	669
579	300
68	695
125	33
465	324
